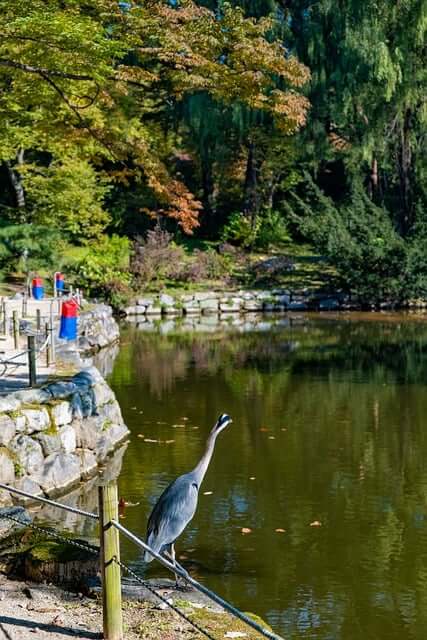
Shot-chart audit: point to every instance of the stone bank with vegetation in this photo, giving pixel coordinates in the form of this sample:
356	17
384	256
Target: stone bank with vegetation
54	436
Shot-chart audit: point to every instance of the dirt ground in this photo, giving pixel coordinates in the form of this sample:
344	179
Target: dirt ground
47	612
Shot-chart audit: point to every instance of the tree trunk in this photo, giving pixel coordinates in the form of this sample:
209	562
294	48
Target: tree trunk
251	205
16	184
404	168
208	197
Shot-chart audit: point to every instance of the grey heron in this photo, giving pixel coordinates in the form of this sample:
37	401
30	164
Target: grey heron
177	505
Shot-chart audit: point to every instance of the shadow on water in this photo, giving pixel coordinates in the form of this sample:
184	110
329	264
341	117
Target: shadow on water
313	512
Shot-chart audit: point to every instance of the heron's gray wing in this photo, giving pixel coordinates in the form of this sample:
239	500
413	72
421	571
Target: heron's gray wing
172	512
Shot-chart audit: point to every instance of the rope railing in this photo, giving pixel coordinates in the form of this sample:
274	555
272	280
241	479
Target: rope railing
107	524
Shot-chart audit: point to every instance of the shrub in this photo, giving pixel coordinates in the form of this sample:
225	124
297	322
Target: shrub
240	230
205	265
156	258
104	271
272	230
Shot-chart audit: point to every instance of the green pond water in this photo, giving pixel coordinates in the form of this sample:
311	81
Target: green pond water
328	443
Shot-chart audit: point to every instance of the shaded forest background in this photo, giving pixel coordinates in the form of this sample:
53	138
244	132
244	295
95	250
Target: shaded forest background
138	138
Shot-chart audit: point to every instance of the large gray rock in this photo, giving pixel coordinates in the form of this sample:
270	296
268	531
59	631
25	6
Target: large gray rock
209	305
252	304
109	438
61	413
37	419
205	295
166	300
50	441
145	302
136	310
102	394
153	310
59	472
8	526
7	467
7	429
111	413
29	485
68	439
230	305
88	463
28	453
9	403
87	431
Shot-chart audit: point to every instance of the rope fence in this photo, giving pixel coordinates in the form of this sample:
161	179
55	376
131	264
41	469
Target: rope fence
111	564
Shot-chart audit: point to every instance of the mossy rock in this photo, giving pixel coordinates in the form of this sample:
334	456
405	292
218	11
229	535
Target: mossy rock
31	554
59	562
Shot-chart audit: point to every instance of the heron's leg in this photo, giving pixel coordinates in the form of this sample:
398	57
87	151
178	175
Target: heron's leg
174	563
170	555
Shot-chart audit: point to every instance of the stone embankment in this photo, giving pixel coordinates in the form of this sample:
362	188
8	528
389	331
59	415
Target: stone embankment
54	436
238	302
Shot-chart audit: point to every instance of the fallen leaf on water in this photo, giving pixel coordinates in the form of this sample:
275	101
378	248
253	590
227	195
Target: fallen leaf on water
178	426
315	523
161	422
264	429
131	504
141	435
283	429
252	478
235	634
169	441
194	427
280	530
134	408
140	412
207	493
149	440
271	437
183	556
246	530
191	550
184	418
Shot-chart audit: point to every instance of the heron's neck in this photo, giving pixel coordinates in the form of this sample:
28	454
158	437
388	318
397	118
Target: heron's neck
200	471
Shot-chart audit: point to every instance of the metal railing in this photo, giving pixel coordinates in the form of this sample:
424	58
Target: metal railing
111	564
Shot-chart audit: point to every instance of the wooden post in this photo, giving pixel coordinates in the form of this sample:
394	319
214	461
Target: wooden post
24	305
15	329
4	318
52	336
110	570
32	360
39	319
47	333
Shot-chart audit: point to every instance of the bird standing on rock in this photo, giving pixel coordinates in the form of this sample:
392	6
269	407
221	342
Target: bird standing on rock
178	503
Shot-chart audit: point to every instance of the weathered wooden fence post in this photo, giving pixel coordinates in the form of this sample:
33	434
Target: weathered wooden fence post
15	329
38	319
32	360
110	570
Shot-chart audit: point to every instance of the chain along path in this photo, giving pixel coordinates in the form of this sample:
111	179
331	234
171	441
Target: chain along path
20	317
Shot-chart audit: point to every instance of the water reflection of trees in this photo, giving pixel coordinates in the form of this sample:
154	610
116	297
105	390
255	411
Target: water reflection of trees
352	399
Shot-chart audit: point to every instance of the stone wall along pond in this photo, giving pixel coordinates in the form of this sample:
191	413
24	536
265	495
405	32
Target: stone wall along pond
226	303
53	437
